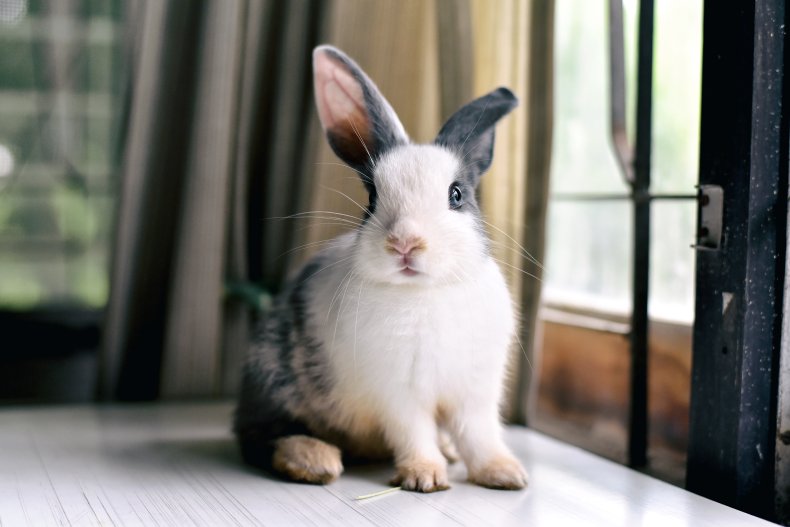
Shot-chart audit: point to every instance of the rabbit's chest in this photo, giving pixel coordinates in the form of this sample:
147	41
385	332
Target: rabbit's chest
426	342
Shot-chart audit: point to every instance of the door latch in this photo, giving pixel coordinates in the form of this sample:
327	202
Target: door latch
710	199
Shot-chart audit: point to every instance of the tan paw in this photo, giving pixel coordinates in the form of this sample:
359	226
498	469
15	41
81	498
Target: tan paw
307	459
422	476
503	472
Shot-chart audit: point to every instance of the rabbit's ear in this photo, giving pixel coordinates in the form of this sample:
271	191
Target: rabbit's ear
470	130
359	123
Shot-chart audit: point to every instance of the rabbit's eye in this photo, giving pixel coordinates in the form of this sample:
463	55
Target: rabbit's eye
456	197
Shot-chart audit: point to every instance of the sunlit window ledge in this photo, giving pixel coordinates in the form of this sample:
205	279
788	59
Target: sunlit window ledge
604	313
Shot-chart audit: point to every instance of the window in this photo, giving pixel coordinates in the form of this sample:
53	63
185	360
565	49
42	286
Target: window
589	252
62	70
60	110
589	243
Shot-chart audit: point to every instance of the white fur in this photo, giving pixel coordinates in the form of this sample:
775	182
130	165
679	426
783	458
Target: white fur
408	349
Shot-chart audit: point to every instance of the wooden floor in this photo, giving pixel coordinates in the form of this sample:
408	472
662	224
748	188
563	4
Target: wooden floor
177	465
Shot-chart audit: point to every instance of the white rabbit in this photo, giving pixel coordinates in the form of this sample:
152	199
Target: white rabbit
399	331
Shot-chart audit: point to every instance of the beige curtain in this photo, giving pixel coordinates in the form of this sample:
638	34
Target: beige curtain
218	108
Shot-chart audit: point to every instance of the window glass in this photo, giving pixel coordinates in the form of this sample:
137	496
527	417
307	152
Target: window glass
672	261
589	255
676	95
588	258
582	158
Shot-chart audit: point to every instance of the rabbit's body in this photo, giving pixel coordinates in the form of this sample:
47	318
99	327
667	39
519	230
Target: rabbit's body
396	353
396	331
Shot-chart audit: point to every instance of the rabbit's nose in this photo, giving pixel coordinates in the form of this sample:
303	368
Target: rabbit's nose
405	246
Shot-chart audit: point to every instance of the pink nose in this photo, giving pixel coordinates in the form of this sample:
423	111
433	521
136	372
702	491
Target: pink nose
405	246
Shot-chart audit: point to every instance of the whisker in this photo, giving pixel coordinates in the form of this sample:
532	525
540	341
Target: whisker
310	213
338	219
308	245
327	267
340	306
356	132
501	262
329	221
356	324
348	227
352	200
363	209
518	269
364	176
349	178
523	351
332	216
525	252
514	250
482	113
462	168
337	293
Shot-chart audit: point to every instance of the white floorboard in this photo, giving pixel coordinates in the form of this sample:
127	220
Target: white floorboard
176	465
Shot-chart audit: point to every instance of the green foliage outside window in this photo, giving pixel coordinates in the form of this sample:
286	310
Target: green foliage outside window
61	65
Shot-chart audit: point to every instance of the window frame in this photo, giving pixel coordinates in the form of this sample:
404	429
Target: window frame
737	334
743	149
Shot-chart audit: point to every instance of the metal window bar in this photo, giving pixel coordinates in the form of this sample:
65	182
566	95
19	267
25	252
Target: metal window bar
634	164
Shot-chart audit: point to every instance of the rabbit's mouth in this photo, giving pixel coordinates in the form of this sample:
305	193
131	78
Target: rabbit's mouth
408	271
406	265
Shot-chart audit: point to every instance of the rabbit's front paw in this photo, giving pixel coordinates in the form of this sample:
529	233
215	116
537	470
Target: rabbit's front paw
307	459
502	472
422	476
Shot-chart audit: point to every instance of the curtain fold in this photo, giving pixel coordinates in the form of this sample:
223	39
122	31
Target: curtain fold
540	102
237	270
207	127
150	187
190	362
275	159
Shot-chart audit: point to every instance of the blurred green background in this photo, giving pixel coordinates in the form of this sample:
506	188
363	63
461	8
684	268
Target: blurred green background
61	106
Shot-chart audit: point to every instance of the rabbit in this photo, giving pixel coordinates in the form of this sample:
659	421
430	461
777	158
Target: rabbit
392	341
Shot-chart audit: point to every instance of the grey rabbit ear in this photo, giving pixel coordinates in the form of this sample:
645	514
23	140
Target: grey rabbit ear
470	130
359	123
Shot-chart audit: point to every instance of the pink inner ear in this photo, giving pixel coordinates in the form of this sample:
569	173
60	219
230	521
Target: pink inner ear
339	97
